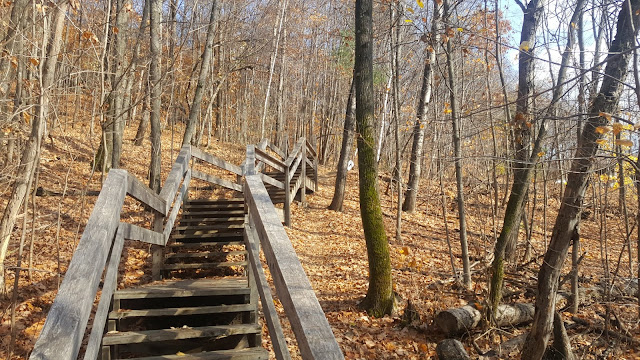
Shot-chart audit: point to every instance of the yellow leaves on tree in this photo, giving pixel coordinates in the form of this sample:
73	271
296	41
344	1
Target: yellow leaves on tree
604	129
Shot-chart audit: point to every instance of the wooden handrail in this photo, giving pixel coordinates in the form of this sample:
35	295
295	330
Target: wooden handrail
101	246
309	323
67	319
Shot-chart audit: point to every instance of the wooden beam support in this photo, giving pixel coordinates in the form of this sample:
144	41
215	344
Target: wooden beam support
214	160
216	180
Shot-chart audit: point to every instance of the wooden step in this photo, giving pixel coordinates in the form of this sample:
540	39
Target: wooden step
237	233
136	337
187	288
225	213
254	353
215	201
207	265
175	256
196	245
230	220
212	206
181	311
222	226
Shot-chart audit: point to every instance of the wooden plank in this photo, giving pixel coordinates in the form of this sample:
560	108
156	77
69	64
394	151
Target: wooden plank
255	353
109	286
311	149
294	152
203	244
271	181
216	180
208	254
145	195
180	311
262	145
269	160
219	213
294	166
186	288
223	226
134	232
268	307
309	324
276	150
207	265
66	322
178	170
136	337
171	220
214	160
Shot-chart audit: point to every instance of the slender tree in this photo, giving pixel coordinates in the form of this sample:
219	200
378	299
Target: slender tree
155	15
379	300
605	102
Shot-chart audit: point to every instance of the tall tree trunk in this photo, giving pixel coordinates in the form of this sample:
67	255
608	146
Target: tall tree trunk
569	214
155	33
31	154
203	78
116	106
277	30
417	148
522	177
457	154
379	299
348	136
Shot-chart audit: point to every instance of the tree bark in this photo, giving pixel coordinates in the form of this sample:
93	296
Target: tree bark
569	214
155	14
348	136
203	78
379	299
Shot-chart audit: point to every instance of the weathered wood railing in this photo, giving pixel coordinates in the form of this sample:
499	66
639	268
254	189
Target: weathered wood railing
302	156
100	249
308	322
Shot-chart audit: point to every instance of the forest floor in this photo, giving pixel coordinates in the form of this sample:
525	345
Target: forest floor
331	248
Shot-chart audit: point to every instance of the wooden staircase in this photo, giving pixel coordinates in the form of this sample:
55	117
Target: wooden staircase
206	309
277	195
207	253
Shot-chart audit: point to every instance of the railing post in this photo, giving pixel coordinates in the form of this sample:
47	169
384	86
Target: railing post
287	197
157	251
303	176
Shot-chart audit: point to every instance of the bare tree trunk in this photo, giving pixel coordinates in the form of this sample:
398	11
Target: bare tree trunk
569	214
277	30
347	144
30	156
155	33
203	77
417	149
457	154
117	110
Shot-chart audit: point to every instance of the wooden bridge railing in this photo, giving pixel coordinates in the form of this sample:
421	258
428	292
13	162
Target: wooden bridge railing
302	156
100	249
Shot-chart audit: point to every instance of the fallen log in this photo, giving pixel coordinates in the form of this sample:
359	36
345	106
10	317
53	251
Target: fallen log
451	349
456	321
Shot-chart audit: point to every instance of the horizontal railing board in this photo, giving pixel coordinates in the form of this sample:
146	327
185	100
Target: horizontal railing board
67	319
269	160
216	180
142	193
134	232
271	181
175	177
110	282
214	160
276	150
308	321
295	152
